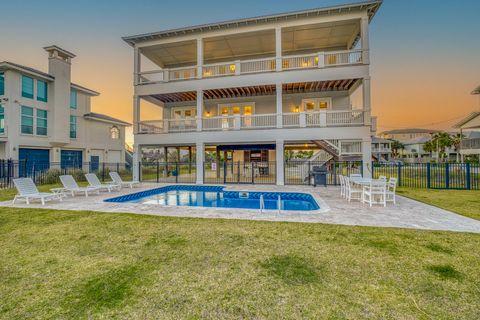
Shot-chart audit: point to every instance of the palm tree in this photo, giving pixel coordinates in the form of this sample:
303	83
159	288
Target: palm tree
441	141
456	141
396	147
429	147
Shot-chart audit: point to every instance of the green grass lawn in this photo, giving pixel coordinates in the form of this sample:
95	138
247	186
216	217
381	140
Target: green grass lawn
464	202
59	264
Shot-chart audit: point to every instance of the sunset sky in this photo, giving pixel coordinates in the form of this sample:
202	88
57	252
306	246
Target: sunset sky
425	54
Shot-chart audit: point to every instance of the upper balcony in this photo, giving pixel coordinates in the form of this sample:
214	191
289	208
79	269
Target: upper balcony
313	42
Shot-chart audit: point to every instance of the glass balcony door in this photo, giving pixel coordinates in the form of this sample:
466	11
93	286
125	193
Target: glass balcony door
317	104
236	109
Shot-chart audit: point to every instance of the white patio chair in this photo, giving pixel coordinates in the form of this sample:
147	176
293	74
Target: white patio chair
93	181
118	180
355	176
375	193
391	190
71	186
342	185
382	178
28	190
353	191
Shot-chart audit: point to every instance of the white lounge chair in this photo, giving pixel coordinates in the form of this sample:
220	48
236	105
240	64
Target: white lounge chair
28	190
375	193
118	180
391	190
71	186
93	181
342	185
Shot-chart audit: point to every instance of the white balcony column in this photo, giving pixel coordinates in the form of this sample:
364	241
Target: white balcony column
279	92
199	109
366	101
278	48
237	122
365	42
321	60
323	118
280	162
200	159
199	58
136	114
367	157
136	165
136	65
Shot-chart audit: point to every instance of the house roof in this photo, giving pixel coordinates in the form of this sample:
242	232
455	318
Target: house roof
104	118
467	119
371	7
380	140
419	140
410	130
7	65
476	90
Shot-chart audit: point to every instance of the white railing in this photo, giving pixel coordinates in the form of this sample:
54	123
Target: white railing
259	65
154	126
294	62
350	147
219	69
300	62
313	119
343	58
182	73
218	123
291	119
471	143
258	121
344	118
182	125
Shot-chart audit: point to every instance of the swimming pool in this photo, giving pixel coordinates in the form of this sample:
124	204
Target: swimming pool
217	197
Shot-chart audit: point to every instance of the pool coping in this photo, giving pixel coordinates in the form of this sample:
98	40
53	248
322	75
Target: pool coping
324	207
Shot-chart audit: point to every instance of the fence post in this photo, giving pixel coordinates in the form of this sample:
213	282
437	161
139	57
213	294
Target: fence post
158	170
447	176
253	172
308	173
139	171
33	171
361	167
334	172
224	172
177	171
118	167
238	172
103	171
429	176
469	182
399	174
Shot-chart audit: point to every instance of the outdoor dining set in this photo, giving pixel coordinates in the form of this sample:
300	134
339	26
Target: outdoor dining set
368	190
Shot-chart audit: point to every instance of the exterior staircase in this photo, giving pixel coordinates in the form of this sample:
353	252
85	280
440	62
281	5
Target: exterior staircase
332	147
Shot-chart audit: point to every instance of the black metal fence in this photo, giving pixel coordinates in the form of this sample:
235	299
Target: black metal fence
224	172
460	176
168	172
297	172
49	172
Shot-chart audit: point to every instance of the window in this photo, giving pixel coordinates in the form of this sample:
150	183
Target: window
2	119
27	120
2	83
316	104
42	91
41	122
114	133
27	87
73	98
73	127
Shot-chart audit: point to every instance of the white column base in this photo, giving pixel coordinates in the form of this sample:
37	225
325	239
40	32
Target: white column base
367	157
280	162
200	158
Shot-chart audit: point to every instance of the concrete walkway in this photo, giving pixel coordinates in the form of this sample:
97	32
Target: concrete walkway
335	210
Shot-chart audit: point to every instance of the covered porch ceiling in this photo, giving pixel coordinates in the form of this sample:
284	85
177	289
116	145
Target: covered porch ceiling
262	90
311	38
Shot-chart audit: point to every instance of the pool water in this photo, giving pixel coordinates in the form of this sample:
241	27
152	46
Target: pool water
215	196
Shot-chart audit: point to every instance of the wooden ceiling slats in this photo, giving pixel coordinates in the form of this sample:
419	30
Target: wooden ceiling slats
287	88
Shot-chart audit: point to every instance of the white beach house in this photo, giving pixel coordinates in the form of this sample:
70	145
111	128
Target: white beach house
245	91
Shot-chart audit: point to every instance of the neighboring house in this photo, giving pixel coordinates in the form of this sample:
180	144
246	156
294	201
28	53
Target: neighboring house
46	118
470	128
407	134
413	148
246	90
381	149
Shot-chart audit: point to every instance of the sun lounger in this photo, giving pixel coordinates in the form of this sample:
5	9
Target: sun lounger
28	190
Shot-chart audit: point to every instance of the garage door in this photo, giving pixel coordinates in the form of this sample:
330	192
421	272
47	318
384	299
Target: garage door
71	158
33	160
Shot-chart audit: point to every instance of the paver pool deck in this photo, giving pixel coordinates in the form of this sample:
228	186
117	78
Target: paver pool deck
406	213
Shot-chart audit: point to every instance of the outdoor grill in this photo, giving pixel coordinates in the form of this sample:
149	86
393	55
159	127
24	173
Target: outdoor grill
319	175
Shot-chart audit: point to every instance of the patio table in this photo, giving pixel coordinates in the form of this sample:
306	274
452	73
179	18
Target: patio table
62	192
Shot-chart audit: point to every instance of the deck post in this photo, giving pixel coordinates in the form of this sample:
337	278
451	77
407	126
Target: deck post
199	109
278	48
280	162
199	58
135	163
200	158
278	90
367	157
365	41
366	101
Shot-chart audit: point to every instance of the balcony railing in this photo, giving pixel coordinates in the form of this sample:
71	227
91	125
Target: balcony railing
471	143
256	121
239	67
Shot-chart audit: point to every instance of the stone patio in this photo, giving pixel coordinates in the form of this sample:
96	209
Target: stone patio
406	213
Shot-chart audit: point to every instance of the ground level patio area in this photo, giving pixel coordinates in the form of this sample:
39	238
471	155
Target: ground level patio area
406	213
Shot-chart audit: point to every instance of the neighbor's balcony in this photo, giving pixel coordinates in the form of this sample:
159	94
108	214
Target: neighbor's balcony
381	150
471	144
341	118
242	67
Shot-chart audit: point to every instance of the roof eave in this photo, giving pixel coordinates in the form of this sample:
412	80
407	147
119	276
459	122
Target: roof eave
132	40
118	122
5	65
